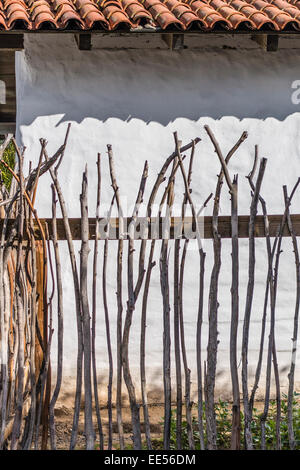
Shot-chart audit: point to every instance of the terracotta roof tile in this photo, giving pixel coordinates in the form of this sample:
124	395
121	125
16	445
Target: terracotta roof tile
90	14
136	12
66	13
207	15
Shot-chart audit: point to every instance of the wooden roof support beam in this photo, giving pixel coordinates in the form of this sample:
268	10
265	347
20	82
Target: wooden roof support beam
84	41
174	42
268	42
11	42
176	227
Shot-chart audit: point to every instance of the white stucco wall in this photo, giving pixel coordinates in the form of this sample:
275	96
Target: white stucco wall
134	100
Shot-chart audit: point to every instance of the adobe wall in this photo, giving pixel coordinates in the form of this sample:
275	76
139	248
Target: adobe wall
134	98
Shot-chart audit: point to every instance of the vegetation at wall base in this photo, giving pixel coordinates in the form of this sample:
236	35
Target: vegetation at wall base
9	158
223	417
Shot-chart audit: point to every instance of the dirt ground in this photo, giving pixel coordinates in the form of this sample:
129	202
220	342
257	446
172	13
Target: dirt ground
64	421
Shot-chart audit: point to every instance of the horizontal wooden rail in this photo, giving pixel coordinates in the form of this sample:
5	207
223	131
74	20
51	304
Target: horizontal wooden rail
157	227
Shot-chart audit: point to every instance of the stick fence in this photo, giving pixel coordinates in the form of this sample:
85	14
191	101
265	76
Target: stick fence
30	257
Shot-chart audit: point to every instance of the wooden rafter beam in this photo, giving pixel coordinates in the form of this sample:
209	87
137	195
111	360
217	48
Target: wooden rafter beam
174	42
11	42
84	41
268	42
205	224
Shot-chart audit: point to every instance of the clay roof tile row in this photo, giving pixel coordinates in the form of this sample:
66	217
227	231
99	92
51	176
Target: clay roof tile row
207	15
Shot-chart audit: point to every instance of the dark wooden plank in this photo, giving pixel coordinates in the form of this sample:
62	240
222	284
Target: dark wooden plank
7	128
11	42
7	75
7	62
10	82
204	223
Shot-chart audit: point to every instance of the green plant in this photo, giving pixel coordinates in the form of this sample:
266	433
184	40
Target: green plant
284	422
184	434
223	420
9	158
